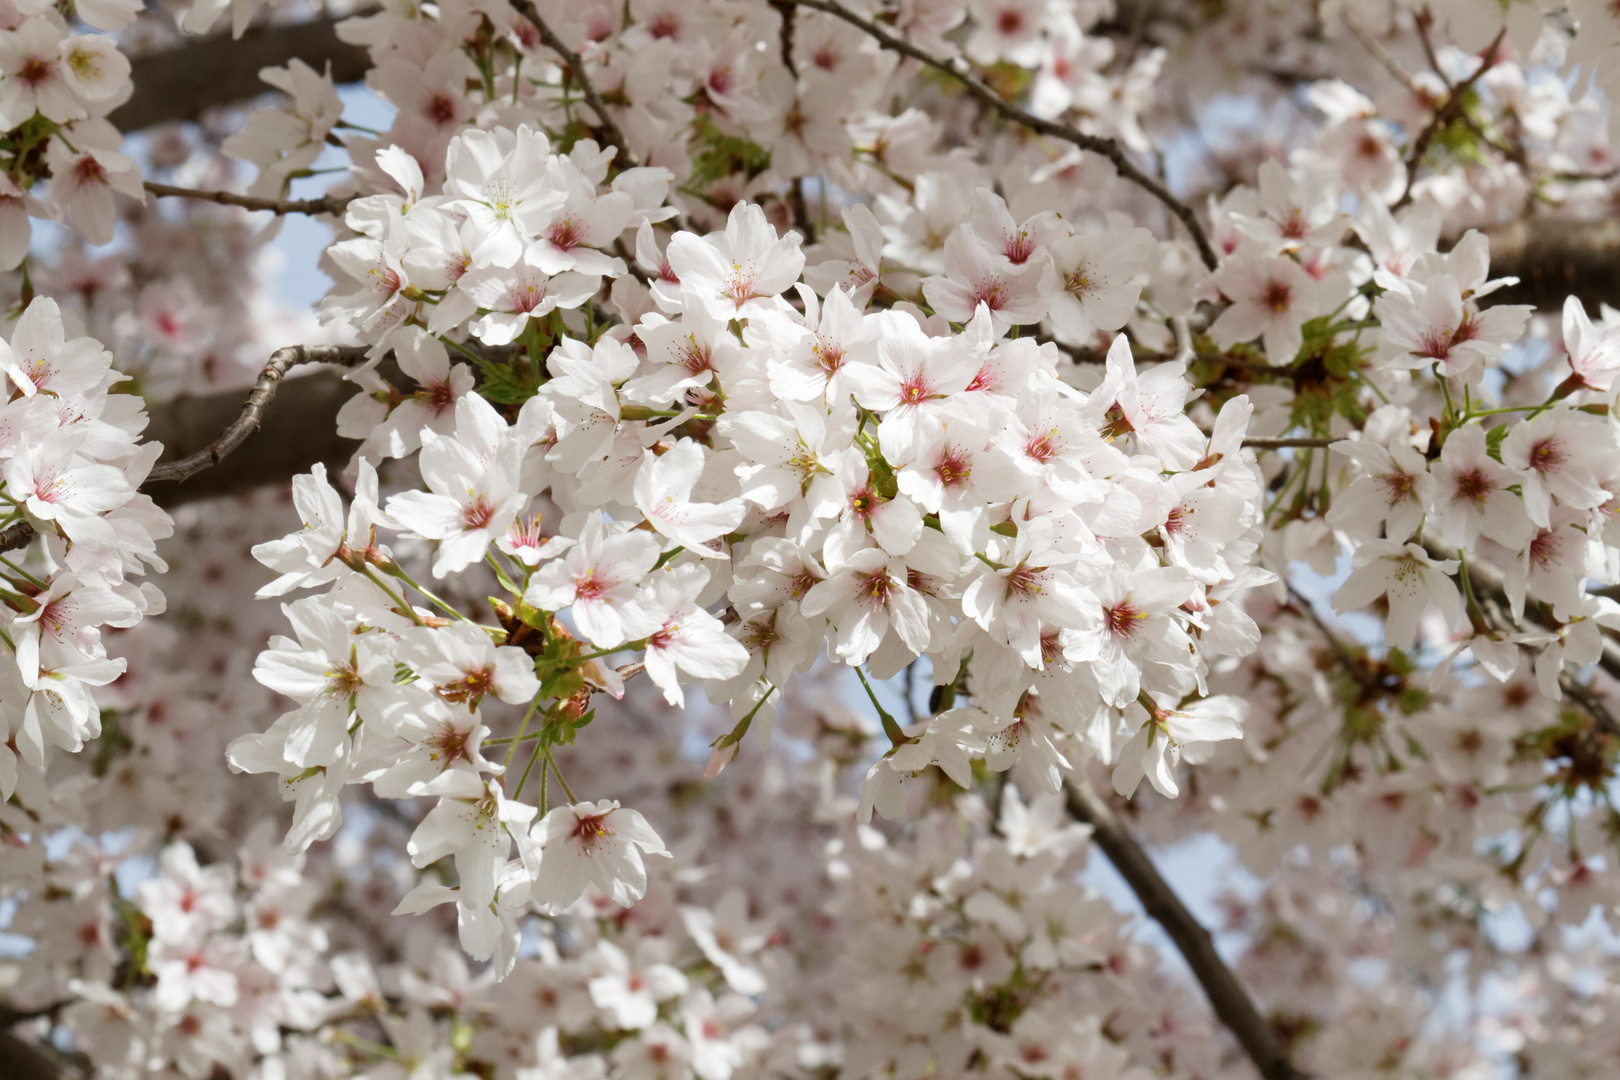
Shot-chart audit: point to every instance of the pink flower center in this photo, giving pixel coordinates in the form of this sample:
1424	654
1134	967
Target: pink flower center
1546	455
915	390
1042	447
954	468
565	234
590	587
740	289
1024	581
829	355
695	356
477	514
1124	619
525	298
1277	296
1019	248
441	109
1474	486
35	70
470	687
990	294
448	746
863	502
877	587
589	831
1544	548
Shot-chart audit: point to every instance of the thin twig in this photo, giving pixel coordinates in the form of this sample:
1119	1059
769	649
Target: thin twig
1228	997
576	70
1448	111
1586	699
326	204
1352	667
1380	53
264	391
957	69
1285	444
1491	583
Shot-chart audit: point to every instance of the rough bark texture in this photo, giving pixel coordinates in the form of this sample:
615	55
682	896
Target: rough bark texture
184	82
1555	258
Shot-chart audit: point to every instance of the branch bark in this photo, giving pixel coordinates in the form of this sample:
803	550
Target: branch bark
1554	258
184	82
1449	110
326	204
576	70
1302	443
988	97
22	1060
1228	997
300	435
252	416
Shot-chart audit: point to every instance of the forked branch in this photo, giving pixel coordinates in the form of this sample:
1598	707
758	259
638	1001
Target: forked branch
582	80
987	96
264	392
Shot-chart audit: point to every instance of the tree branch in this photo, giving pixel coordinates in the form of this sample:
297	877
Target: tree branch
1228	997
976	87
326	204
184	82
1491	582
1557	257
247	421
576	70
1303	443
264	392
22	1060
1448	111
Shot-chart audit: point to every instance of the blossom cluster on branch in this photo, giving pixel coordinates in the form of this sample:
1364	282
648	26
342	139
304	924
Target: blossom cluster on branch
802	448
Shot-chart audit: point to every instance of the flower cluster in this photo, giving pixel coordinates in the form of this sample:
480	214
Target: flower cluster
72	464
56	89
714	348
871	480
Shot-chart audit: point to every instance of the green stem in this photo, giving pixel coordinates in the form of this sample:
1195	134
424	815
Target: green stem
890	728
30	578
404	607
510	750
524	779
566	789
398	571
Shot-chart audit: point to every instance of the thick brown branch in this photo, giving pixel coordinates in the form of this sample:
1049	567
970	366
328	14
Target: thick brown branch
1554	258
326	204
184	82
582	80
988	97
1228	997
22	1060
